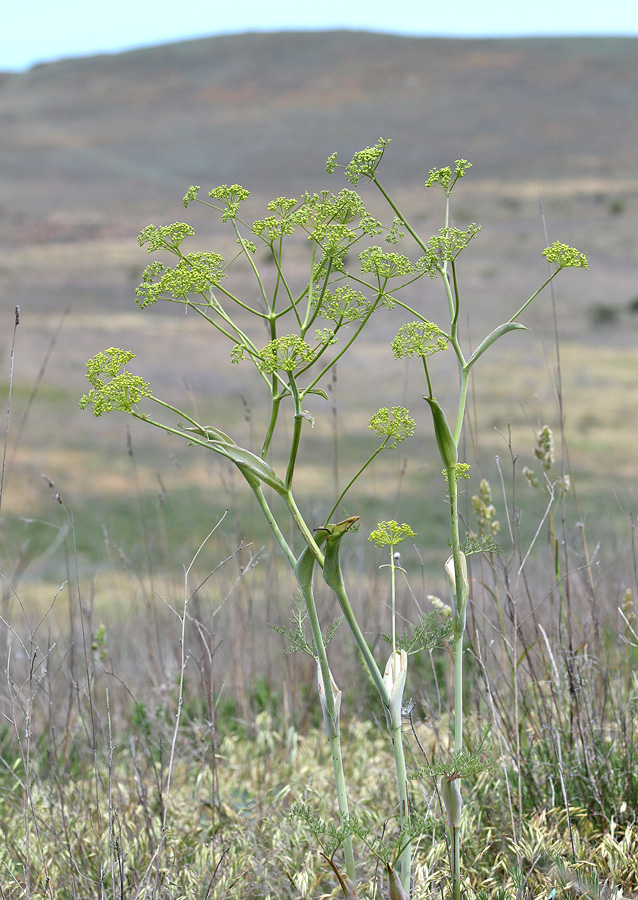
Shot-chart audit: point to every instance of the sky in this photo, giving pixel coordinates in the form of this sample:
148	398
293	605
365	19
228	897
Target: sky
34	31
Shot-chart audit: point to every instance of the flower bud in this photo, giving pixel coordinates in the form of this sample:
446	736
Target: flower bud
459	614
394	677
332	726
443	435
451	796
397	891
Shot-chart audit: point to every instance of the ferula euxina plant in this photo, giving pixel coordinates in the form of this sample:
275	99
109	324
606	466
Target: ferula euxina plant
350	278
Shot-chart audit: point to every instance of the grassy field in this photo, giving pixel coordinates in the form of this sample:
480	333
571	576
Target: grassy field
106	793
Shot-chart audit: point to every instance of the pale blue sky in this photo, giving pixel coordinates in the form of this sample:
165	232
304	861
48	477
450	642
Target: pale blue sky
33	31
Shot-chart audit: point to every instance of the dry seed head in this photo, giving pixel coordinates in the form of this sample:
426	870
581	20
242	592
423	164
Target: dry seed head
484	510
628	606
442	608
544	449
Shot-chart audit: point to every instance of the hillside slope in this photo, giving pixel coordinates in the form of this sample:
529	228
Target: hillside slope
102	137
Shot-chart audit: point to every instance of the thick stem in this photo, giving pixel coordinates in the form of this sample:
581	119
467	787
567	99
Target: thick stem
274	412
303	528
460	603
273	525
342	801
333	732
405	860
304	576
334	579
458	691
456	862
337	585
296	433
459	612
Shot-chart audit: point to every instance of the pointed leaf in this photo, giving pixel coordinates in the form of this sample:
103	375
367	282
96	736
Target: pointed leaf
491	338
331	569
443	435
254	464
318	391
306	563
332	726
212	434
397	891
348	888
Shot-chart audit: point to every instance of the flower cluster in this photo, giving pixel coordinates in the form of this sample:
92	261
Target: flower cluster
390	533
397	424
445	247
344	305
194	274
363	164
167	236
444	176
121	390
395	233
284	354
191	194
384	265
419	339
565	257
335	222
232	196
272	228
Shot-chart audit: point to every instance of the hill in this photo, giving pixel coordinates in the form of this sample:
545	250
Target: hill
95	140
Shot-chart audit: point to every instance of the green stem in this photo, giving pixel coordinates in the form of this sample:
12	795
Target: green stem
354	478
273	525
253	266
460	415
304	573
405	860
343	350
459	632
300	522
274	412
458	691
304	576
393	594
456	862
399	214
334	579
342	801
534	295
296	432
459	613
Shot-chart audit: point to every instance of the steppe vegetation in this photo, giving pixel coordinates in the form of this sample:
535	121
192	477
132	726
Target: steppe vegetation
155	739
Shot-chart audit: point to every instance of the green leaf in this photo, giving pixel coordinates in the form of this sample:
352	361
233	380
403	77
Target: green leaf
249	463
444	437
306	562
212	434
492	338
